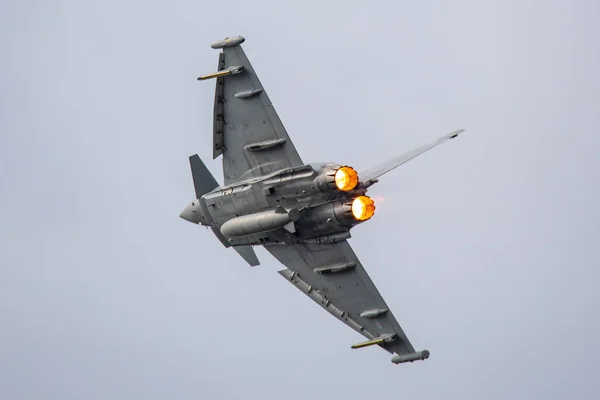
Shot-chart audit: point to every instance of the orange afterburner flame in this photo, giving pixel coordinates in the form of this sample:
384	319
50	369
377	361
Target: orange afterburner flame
346	178
363	208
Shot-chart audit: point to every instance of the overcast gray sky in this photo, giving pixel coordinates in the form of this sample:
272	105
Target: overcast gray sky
486	248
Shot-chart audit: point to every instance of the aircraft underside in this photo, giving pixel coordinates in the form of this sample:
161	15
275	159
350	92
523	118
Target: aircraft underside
302	214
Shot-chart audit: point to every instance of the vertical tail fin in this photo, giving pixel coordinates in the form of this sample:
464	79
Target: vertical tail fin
204	181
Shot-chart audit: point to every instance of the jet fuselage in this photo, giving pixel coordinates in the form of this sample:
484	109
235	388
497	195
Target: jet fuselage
302	204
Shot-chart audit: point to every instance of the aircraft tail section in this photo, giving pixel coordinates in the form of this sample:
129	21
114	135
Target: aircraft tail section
204	181
370	176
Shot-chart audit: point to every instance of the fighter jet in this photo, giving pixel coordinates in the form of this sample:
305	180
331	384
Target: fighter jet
301	213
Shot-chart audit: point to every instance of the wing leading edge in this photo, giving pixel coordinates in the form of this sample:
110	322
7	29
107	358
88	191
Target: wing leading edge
332	276
247	130
372	174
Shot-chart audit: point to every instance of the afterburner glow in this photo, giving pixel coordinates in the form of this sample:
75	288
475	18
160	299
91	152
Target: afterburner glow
346	178
363	208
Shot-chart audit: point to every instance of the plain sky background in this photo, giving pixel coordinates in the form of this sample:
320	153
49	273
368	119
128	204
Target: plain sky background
486	248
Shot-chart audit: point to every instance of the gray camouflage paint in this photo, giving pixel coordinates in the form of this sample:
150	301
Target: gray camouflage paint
105	293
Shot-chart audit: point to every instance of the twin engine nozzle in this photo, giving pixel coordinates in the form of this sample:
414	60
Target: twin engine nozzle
363	208
340	177
345	178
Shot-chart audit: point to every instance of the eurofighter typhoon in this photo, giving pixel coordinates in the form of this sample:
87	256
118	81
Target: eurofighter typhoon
302	214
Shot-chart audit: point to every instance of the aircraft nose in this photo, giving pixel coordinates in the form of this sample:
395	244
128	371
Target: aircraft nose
188	214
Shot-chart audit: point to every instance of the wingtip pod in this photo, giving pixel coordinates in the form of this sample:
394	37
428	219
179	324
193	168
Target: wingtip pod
228	42
454	134
418	355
